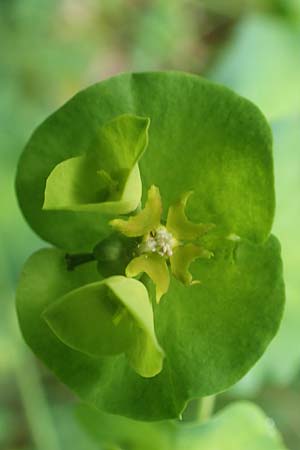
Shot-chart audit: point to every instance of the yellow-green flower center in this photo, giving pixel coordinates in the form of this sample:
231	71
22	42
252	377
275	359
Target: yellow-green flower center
176	242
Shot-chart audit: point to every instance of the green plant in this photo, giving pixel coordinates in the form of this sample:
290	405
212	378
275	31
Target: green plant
107	180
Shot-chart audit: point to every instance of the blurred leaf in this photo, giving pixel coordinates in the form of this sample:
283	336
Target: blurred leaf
6	425
71	434
234	7
157	42
261	62
109	430
239	426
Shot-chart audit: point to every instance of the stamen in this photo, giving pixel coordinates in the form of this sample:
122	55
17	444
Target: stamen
158	241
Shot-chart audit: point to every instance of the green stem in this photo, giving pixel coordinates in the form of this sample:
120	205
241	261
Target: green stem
34	401
35	406
205	409
76	260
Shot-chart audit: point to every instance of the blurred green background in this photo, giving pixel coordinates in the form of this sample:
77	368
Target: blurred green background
49	49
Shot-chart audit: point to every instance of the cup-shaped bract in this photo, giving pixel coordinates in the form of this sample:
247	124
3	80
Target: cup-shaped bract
202	137
106	178
98	319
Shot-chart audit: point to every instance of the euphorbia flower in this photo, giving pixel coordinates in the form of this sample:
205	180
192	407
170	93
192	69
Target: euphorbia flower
88	164
173	242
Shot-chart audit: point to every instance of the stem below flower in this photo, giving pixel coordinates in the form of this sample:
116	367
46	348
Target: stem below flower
205	408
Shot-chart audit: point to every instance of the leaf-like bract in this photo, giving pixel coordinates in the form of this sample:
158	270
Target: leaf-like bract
106	178
106	318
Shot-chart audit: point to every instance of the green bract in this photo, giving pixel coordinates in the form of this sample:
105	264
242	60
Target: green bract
106	178
115	346
117	318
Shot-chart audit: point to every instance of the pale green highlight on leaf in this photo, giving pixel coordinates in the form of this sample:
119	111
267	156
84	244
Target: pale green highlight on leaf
180	226
106	178
144	221
182	258
155	267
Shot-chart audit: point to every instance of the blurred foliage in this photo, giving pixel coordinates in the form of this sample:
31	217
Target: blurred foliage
239	426
52	48
261	62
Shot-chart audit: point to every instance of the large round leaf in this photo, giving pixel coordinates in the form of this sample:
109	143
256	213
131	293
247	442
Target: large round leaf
202	137
212	333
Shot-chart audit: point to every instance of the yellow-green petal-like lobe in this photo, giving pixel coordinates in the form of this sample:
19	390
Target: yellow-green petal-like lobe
155	267
146	220
181	259
180	226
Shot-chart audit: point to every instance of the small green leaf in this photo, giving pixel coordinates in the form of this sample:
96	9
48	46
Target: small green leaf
106	178
92	319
